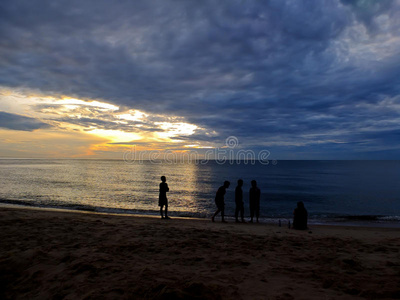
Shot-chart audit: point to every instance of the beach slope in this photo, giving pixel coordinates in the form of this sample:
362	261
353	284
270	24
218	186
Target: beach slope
72	255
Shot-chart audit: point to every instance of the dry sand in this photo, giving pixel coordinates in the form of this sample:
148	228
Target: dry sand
71	255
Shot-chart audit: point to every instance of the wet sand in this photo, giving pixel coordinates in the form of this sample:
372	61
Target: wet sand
73	255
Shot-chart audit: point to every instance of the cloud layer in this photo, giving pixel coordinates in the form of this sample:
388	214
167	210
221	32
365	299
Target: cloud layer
290	76
18	122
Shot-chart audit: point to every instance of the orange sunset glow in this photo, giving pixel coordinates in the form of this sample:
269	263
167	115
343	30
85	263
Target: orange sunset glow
86	128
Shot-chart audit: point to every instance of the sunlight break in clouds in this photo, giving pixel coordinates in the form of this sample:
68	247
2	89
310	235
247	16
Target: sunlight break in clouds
112	127
76	102
175	129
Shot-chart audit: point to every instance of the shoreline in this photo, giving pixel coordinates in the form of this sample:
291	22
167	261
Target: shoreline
248	227
352	221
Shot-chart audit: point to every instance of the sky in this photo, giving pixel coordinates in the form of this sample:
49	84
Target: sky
301	79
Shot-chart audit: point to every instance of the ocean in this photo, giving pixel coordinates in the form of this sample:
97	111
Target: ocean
334	192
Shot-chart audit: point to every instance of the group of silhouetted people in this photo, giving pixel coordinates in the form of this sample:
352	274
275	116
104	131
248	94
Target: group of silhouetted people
300	215
254	201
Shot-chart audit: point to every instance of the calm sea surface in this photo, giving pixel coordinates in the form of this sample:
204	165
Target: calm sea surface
333	191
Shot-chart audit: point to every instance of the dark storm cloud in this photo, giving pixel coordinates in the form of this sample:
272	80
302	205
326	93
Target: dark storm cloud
366	11
269	72
18	122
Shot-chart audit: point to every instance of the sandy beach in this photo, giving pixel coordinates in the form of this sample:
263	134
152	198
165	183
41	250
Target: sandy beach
74	255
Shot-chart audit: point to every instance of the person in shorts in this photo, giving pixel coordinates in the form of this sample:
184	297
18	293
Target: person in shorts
162	199
220	201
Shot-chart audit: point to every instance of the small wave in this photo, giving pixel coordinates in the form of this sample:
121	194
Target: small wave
79	207
361	217
373	218
390	218
18	202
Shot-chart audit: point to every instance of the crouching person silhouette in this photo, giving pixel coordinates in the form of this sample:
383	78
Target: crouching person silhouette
300	217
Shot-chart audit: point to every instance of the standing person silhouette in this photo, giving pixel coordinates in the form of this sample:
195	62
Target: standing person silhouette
239	201
162	199
220	201
254	199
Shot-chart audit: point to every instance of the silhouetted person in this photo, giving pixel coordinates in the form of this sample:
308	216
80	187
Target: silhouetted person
162	199
239	201
254	199
300	217
220	201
